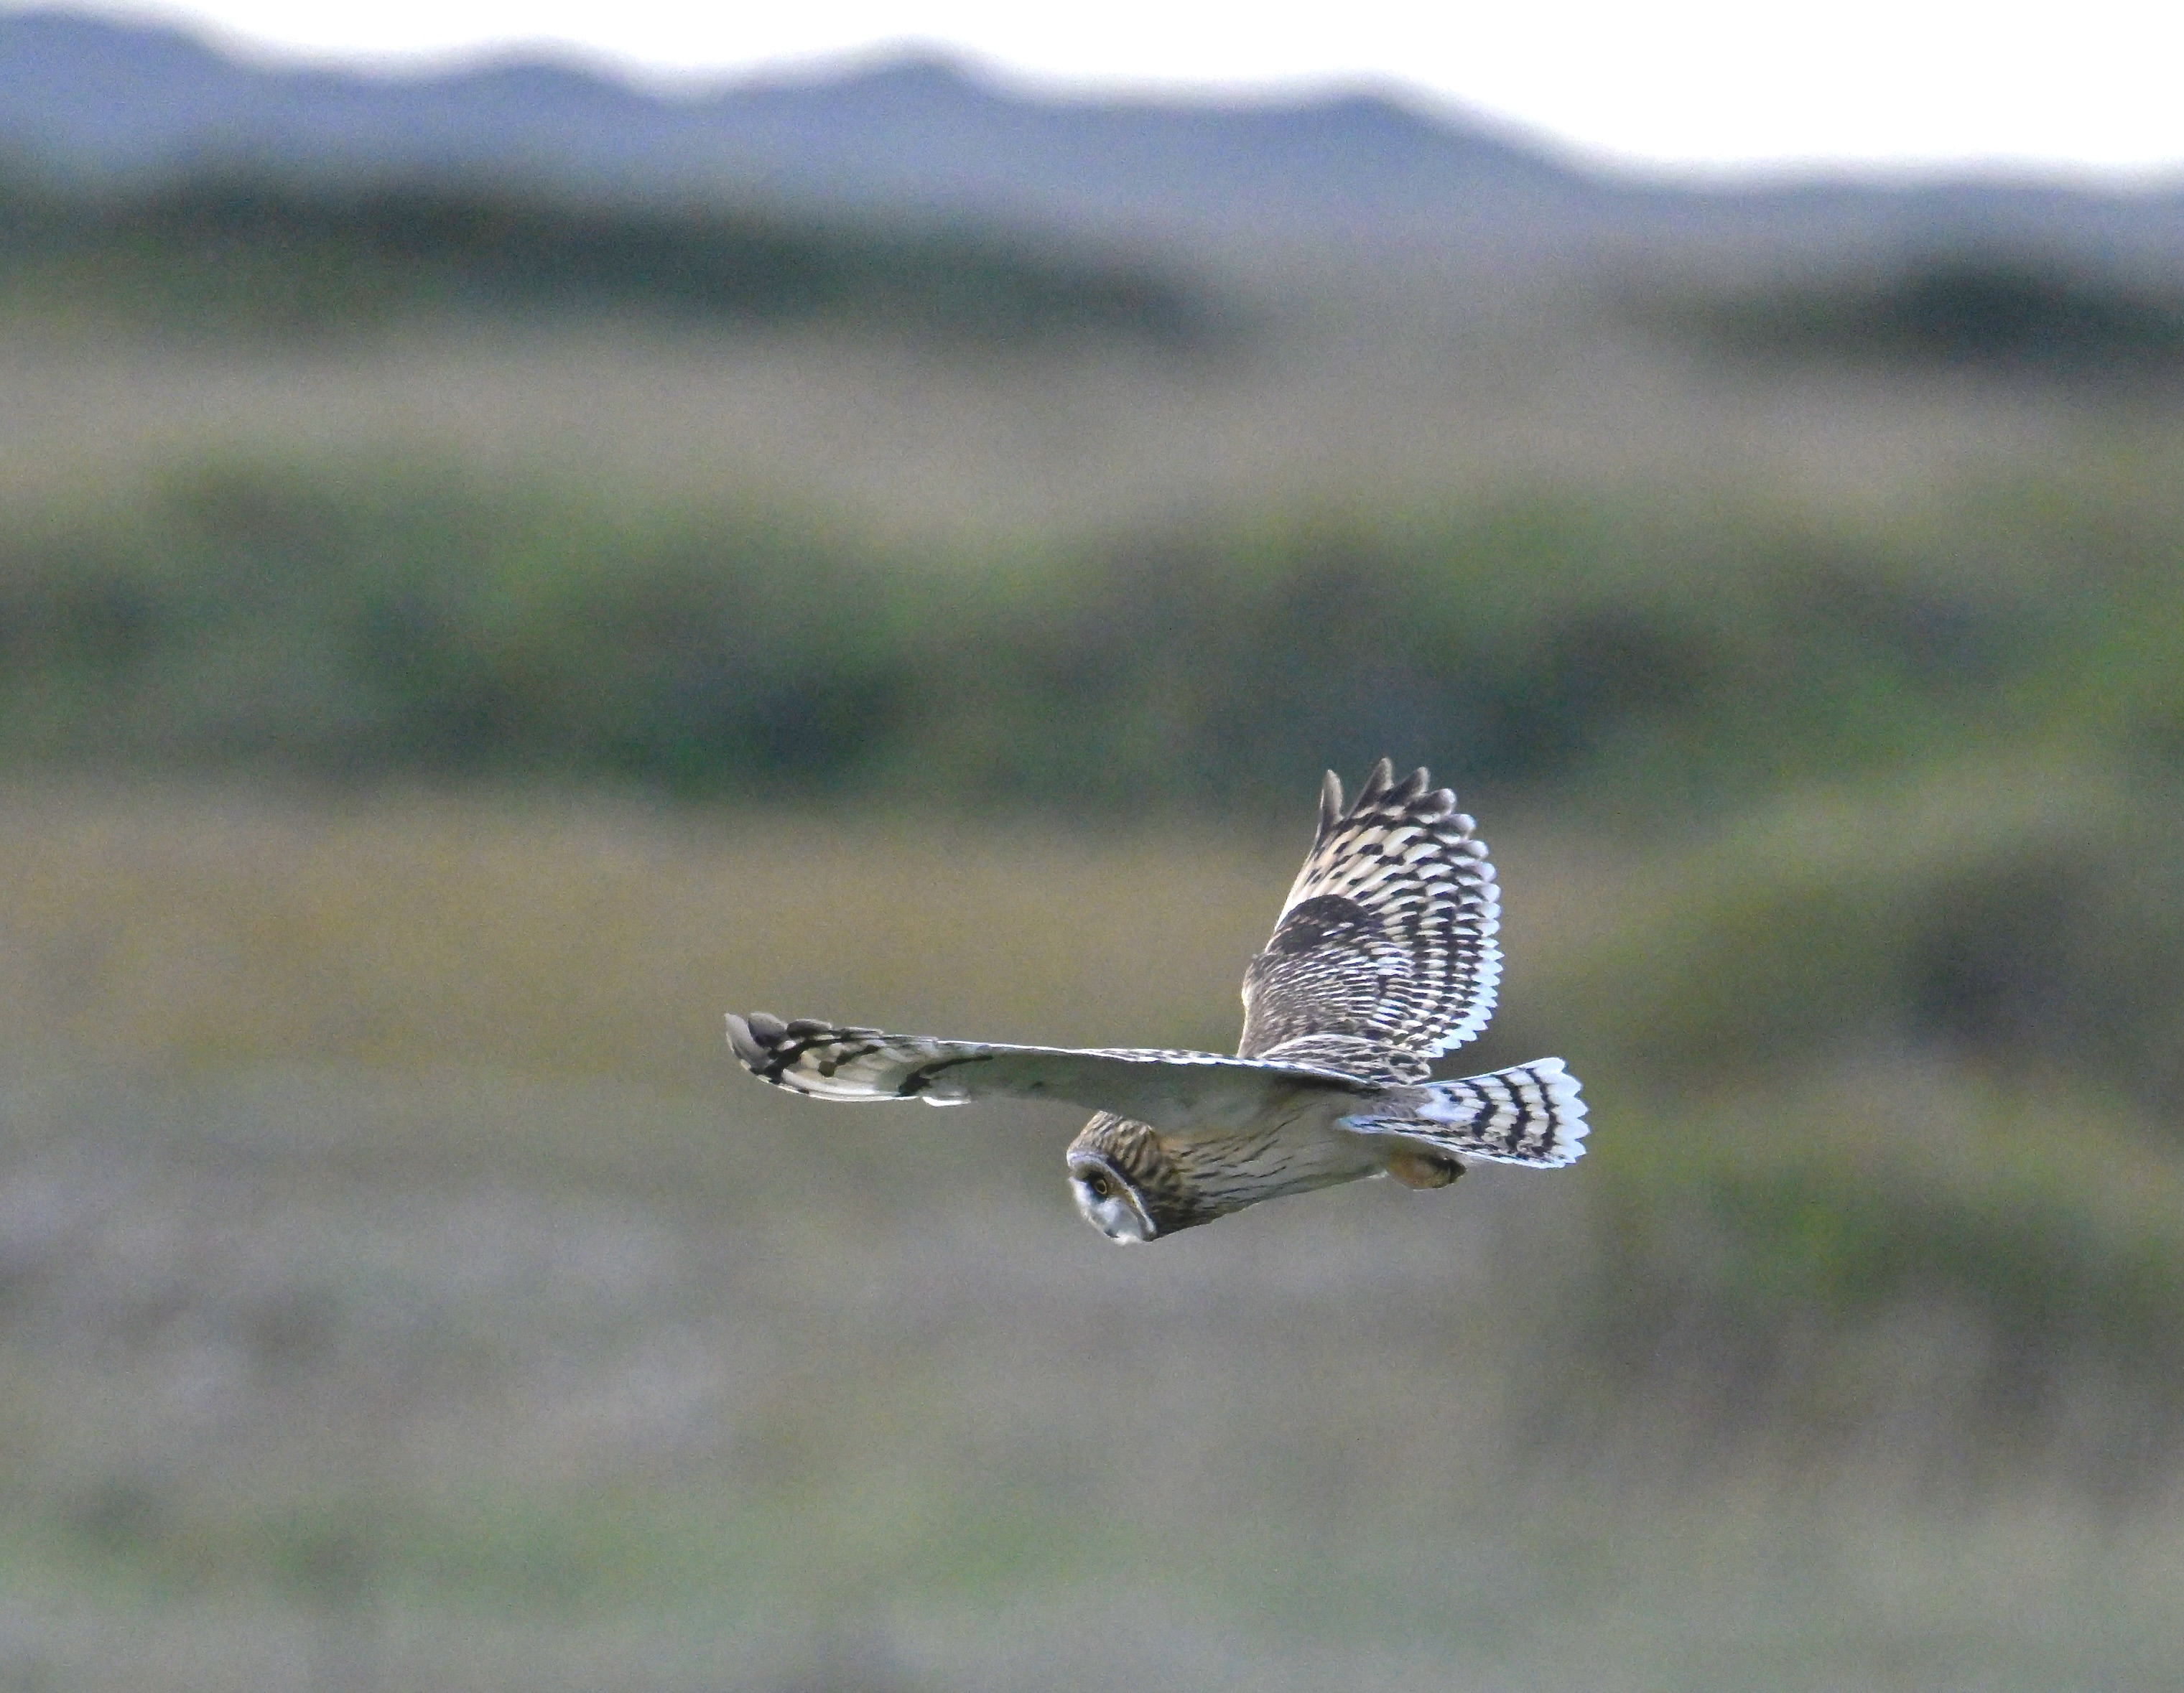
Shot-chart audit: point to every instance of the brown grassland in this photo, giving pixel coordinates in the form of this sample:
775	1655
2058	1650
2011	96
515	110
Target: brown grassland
405	1290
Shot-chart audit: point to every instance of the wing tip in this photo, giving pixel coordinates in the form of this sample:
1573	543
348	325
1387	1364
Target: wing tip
744	1040
767	1045
1414	795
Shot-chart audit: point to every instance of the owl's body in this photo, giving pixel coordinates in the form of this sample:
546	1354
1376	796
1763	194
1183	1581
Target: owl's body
1156	1188
1384	957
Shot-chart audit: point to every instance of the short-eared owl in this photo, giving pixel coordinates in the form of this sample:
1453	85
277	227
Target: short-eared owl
1383	958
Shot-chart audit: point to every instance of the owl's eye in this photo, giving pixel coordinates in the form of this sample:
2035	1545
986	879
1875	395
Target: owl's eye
1100	1187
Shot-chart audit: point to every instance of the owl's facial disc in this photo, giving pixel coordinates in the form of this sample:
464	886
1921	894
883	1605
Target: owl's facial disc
1109	1203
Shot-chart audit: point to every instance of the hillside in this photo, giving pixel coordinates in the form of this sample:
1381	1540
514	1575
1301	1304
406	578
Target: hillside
95	97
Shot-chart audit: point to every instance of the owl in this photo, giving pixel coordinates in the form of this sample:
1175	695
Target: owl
1383	958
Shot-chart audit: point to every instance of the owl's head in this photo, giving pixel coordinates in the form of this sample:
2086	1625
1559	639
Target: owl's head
1110	1202
1128	1184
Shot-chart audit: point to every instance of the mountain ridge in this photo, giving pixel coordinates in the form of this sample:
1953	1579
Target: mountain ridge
95	99
91	97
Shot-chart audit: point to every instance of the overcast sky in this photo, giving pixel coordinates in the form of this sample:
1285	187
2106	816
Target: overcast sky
2094	87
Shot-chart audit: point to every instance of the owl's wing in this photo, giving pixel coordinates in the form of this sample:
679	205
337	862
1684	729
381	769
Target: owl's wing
1170	1090
1385	955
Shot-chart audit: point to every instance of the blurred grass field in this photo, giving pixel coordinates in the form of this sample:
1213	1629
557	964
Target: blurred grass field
416	729
405	1289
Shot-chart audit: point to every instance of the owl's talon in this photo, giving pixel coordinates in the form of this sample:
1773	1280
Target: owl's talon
1416	1168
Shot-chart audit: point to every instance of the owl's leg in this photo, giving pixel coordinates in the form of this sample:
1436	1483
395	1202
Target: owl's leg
1415	1167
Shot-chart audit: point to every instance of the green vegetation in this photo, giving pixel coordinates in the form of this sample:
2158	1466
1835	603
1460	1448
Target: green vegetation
269	257
1996	312
1686	652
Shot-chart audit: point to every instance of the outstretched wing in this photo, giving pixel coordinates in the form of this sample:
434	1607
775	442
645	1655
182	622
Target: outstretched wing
1171	1090
1384	955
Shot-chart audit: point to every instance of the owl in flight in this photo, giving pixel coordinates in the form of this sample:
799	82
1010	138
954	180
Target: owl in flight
1383	958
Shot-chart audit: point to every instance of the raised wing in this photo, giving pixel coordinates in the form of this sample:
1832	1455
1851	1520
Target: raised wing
1384	955
1173	1091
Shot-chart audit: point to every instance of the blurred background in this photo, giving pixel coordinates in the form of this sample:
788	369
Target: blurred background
500	564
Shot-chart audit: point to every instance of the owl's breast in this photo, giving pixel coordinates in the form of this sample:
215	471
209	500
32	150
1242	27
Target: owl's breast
1271	1160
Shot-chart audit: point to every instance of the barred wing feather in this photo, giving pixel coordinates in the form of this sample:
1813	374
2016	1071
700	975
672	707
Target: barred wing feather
1527	1114
1169	1090
1384	955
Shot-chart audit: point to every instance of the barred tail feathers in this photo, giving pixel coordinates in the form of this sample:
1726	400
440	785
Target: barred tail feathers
1527	1114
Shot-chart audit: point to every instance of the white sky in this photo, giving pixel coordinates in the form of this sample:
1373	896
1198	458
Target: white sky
2093	86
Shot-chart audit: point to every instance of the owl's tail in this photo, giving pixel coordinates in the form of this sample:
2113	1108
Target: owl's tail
1527	1114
